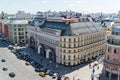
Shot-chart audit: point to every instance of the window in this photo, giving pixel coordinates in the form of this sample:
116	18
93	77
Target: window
19	25
14	25
64	51
64	45
115	59
69	57
69	45
69	63
115	51
107	57
64	40
69	40
109	49
14	29
60	56
15	33
74	40
69	51
74	45
74	57
64	57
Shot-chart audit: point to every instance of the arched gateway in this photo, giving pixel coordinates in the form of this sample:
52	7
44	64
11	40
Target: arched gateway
50	55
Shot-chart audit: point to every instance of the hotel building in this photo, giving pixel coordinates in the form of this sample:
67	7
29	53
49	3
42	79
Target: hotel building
66	41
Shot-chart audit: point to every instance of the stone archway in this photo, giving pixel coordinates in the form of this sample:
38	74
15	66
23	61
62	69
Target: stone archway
41	50
32	42
50	55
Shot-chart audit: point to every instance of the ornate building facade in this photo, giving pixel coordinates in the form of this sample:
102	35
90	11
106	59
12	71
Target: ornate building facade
66	41
112	56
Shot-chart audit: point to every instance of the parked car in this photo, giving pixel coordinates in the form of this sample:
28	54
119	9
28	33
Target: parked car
67	78
4	68
54	75
12	74
27	63
43	69
42	74
3	60
37	69
59	77
48	72
51	73
10	47
13	51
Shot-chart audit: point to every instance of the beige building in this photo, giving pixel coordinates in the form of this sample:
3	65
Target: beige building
67	41
17	31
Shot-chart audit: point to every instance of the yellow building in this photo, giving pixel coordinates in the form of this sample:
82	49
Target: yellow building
108	28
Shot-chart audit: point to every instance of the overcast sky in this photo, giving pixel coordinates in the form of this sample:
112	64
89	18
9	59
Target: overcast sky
86	6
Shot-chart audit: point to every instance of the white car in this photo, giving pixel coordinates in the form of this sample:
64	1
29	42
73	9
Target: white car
48	72
54	75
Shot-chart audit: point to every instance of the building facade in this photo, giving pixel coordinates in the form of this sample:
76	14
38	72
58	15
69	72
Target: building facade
17	31
0	27
112	56
66	41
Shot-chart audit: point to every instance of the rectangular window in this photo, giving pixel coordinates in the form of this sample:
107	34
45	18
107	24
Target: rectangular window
14	29
64	40
69	40
115	51
69	57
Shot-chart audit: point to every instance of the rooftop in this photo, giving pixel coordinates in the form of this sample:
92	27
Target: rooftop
18	22
68	27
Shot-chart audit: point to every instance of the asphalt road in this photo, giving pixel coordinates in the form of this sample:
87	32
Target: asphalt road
17	66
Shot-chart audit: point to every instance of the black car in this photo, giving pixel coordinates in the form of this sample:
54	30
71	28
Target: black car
3	60
37	70
51	73
27	63
59	77
4	68
12	74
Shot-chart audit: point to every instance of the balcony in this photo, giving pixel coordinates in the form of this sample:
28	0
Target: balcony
108	63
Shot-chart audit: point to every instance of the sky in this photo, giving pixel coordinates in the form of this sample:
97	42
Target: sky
84	6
